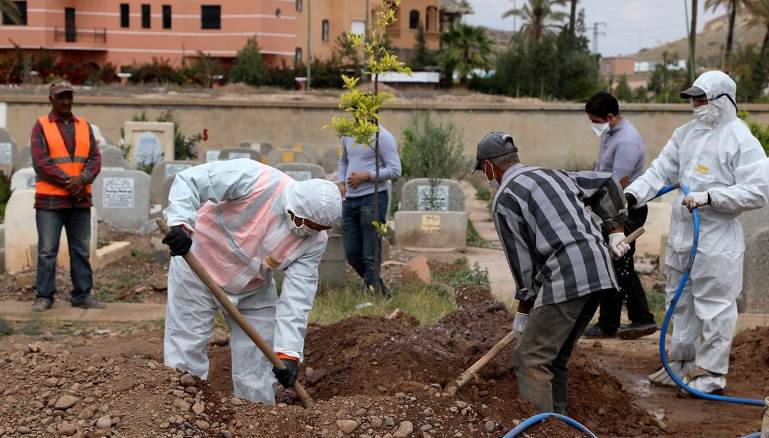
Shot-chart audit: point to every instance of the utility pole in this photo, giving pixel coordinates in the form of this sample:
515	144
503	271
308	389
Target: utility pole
693	42
368	14
596	34
309	51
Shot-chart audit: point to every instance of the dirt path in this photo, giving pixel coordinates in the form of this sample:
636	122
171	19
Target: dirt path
631	361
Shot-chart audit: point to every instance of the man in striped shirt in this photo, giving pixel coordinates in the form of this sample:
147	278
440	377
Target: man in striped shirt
558	257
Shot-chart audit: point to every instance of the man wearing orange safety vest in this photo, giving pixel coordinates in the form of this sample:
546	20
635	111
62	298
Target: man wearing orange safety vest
66	161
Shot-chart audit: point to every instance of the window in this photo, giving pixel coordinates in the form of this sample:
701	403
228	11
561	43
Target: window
70	32
211	17
298	56
324	31
277	13
166	16
413	19
146	16
358	27
125	15
22	7
298	5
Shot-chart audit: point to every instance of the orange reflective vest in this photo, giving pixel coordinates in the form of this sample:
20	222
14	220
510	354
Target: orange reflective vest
57	150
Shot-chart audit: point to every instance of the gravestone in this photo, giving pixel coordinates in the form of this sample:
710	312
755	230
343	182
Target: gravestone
431	215
307	148
97	135
210	155
21	250
150	141
24	179
23	159
5	136
7	153
287	156
301	171
235	153
262	147
333	265
112	156
755	295
163	171
330	160
122	198
422	194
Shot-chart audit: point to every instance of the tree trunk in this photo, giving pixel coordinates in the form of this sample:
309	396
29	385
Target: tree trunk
765	44
693	42
377	237
573	17
730	35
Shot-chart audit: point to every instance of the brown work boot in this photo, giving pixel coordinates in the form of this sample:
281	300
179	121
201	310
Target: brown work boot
42	304
89	303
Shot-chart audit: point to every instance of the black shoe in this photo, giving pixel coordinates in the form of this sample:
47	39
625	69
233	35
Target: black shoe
42	304
89	303
596	332
636	330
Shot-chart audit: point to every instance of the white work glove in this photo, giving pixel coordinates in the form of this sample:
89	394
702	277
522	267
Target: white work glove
696	199
519	323
617	247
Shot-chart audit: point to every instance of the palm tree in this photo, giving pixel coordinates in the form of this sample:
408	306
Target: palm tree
759	9
693	43
464	49
9	9
539	17
731	6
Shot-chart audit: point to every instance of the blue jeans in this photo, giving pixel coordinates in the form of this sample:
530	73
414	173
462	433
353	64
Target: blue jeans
362	245
77	222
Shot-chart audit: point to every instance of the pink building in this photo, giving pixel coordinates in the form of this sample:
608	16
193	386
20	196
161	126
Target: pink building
135	31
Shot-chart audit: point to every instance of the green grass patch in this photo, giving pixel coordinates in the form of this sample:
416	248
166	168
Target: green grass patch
426	303
33	327
460	274
474	238
656	302
6	329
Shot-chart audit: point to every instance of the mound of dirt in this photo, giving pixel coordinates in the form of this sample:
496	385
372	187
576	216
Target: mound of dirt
749	359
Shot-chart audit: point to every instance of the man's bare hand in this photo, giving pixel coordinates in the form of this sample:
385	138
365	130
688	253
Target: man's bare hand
342	189
358	178
75	186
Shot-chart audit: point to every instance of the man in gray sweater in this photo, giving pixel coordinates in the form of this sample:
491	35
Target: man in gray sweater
355	177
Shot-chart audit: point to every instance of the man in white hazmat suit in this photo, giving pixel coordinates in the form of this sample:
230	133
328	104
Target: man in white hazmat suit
244	220
727	172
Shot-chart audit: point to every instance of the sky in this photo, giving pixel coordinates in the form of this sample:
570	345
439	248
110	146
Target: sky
630	24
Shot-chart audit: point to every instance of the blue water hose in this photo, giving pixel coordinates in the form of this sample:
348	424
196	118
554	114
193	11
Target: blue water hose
663	354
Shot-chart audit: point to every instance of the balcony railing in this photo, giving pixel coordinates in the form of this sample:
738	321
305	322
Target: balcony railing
80	35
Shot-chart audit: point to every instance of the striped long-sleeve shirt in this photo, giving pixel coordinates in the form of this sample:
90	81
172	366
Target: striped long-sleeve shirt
553	245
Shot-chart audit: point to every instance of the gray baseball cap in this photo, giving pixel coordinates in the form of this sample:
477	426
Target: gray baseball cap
494	145
692	92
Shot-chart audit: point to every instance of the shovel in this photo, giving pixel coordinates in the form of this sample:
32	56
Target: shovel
453	387
235	314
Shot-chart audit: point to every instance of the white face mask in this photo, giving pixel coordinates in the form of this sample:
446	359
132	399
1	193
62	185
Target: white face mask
701	111
492	182
600	128
300	230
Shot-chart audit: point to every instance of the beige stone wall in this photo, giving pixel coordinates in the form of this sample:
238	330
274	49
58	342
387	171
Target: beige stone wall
552	134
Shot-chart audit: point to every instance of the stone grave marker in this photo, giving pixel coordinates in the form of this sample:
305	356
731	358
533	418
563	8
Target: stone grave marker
421	194
21	250
5	136
122	198
150	141
301	171
112	156
235	153
287	156
755	295
307	148
7	153
101	141
262	147
24	179
331	158
162	171
211	155
23	158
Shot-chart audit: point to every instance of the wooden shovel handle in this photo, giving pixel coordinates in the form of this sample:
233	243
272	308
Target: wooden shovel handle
469	373
630	238
235	314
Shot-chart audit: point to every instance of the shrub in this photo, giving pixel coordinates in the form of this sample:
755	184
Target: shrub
424	141
760	132
159	70
248	67
5	194
202	70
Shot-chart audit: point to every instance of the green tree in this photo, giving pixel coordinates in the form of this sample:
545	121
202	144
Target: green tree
759	10
345	53
623	91
422	56
731	6
248	66
203	69
539	18
425	139
665	82
464	48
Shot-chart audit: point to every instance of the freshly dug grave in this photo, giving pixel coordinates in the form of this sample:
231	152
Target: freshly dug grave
749	359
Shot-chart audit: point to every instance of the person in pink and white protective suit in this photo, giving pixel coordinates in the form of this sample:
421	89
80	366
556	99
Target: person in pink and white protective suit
245	220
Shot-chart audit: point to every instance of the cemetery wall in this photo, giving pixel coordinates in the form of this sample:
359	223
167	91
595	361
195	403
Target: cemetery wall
548	134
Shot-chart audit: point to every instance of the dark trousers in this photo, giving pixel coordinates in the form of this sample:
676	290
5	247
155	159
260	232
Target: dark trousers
542	355
631	291
77	223
362	245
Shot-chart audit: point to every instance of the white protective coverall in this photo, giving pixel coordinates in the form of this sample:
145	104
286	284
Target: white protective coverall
241	232
715	153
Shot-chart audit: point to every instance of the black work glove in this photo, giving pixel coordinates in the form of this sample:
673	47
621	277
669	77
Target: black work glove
631	200
287	376
178	241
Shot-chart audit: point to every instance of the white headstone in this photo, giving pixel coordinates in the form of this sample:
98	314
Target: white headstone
301	171
278	156
122	198
212	155
423	194
162	171
24	179
262	147
235	153
150	141
7	154
112	156
22	159
148	148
